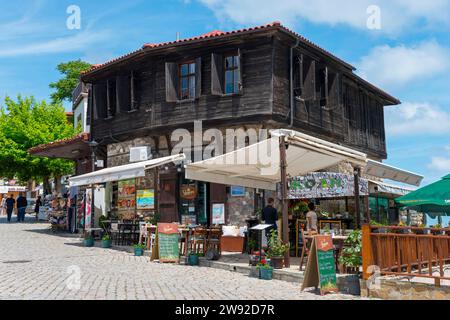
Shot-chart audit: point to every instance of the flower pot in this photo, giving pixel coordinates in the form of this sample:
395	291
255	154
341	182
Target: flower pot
266	274
277	262
106	243
88	242
193	260
254	273
138	252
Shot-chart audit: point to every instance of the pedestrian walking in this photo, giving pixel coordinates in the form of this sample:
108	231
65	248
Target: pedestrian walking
3	205
10	202
37	206
22	204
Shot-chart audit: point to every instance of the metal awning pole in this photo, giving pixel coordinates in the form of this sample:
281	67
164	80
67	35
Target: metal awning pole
285	225
357	172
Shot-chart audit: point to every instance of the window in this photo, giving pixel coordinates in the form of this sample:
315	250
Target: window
187	81
232	76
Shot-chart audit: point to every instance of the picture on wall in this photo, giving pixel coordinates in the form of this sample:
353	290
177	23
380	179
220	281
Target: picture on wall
145	199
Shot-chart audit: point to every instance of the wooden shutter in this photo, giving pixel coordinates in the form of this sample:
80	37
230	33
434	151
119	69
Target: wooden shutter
99	101
198	78
333	89
89	105
171	82
123	93
217	74
309	92
240	73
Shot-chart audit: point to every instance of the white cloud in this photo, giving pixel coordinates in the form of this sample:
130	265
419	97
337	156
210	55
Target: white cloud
396	15
440	164
397	66
417	119
80	41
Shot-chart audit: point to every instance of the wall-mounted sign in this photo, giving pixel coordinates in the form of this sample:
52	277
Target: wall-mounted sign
145	199
218	213
325	185
188	192
237	191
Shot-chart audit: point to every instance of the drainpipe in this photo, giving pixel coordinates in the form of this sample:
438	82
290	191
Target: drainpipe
292	102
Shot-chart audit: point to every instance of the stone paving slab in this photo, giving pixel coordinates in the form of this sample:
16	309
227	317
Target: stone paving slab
37	264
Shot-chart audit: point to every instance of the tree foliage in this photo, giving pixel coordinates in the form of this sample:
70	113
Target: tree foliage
71	72
24	124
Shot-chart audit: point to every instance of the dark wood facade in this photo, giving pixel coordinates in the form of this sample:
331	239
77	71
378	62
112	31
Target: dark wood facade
139	95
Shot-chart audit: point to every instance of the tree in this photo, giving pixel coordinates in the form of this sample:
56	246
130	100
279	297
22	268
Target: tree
64	87
24	124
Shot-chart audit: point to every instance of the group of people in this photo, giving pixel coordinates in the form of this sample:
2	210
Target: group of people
8	205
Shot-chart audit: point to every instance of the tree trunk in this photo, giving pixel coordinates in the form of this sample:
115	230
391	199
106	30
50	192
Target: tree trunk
47	188
58	185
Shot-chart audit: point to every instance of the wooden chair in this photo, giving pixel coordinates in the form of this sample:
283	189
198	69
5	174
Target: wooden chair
214	239
115	232
197	240
305	249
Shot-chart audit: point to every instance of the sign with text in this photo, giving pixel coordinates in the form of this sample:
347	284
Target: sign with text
325	185
218	213
167	240
321	268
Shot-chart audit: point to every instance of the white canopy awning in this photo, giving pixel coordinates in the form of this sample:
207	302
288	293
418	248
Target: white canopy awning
129	171
377	187
384	171
258	165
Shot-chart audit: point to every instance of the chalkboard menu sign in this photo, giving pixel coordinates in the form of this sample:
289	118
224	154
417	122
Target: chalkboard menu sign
167	242
321	269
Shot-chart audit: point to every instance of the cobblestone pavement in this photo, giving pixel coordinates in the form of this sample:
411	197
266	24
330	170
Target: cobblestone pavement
37	264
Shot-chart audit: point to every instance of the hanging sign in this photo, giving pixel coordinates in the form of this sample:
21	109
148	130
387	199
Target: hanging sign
188	192
321	268
325	185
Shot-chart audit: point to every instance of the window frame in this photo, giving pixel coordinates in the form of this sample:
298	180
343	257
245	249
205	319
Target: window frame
236	81
188	76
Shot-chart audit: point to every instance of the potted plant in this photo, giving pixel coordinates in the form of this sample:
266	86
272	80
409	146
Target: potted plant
88	240
265	270
106	241
254	258
277	249
193	259
423	229
139	250
351	256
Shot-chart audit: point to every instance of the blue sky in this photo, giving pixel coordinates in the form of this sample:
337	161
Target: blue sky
408	56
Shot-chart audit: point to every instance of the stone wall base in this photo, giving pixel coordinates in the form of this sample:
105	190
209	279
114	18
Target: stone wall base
404	290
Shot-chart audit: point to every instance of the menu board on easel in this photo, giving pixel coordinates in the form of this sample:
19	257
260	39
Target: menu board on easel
166	244
321	269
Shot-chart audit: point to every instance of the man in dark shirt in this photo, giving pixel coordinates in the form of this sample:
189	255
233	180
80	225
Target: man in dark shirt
22	204
10	202
270	216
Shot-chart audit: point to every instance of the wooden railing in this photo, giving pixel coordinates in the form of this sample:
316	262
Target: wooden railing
406	251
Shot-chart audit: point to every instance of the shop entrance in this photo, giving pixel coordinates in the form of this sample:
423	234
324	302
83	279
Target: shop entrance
194	201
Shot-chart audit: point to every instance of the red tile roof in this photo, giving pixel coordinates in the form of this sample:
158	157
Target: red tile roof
58	143
215	34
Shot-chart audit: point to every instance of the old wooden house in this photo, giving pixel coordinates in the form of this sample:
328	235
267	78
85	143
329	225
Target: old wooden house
262	77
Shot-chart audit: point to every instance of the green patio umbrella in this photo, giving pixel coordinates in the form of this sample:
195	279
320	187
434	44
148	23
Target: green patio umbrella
432	198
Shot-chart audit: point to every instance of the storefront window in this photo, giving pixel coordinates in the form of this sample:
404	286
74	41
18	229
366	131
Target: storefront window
379	209
193	202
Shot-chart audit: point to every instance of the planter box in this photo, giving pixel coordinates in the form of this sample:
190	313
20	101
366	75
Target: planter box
138	252
232	244
88	242
193	260
254	273
277	262
106	244
266	274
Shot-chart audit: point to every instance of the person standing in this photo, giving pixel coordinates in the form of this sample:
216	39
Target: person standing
10	202
37	206
22	204
270	216
311	218
3	205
